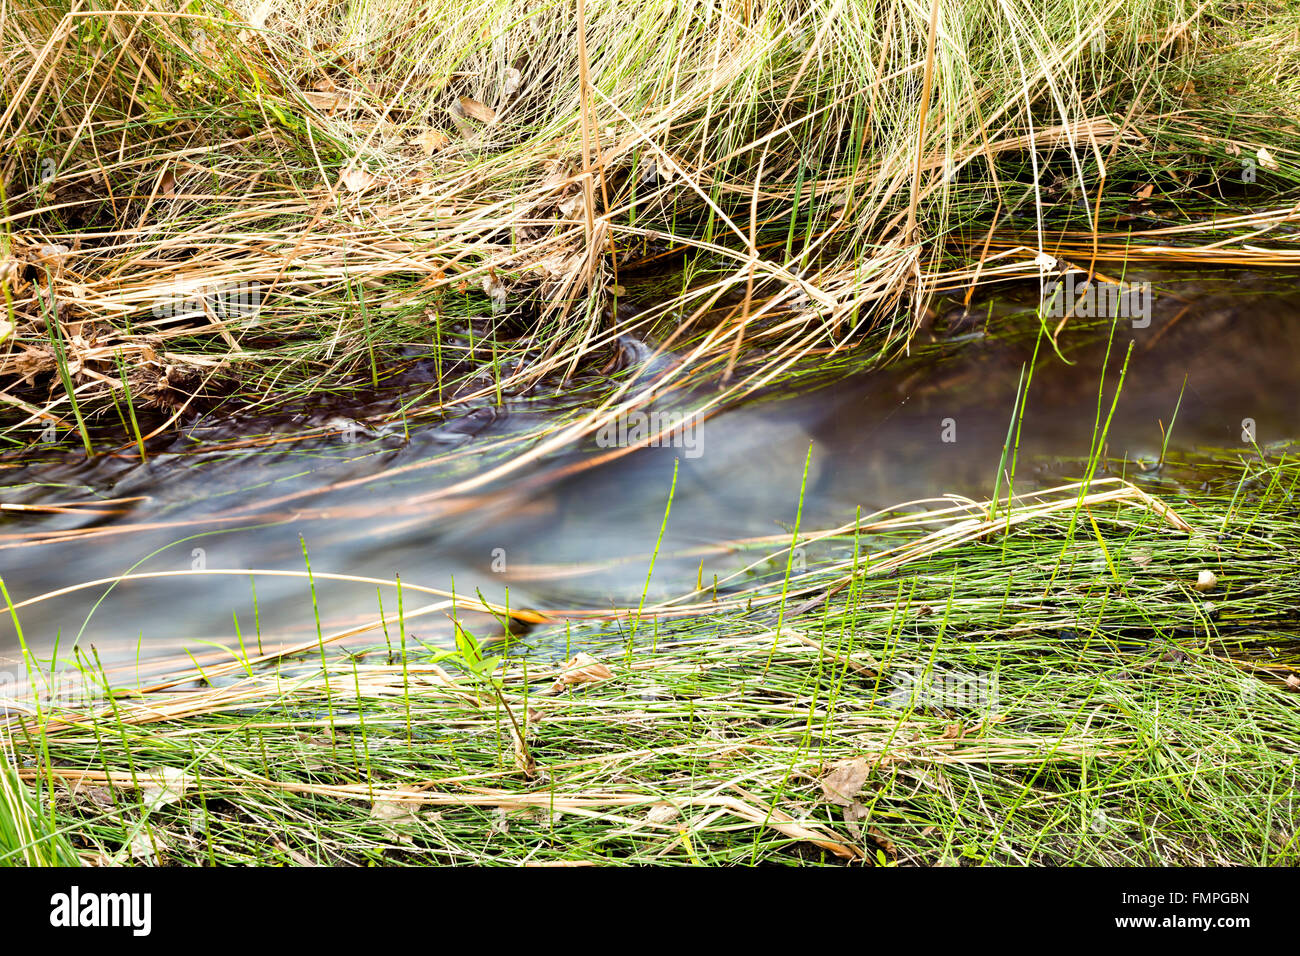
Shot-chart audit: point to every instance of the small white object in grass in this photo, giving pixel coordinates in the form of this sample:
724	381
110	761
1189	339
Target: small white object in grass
163	786
1206	580
358	180
514	79
662	813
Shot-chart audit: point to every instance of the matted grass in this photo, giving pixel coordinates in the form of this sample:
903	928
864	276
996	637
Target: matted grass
1058	683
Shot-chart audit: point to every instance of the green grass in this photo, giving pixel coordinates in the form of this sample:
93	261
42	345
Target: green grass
27	837
1028	688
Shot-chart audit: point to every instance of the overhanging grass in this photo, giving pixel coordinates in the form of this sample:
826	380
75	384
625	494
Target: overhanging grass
820	167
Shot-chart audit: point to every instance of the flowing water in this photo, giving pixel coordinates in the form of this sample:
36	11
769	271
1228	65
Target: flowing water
567	533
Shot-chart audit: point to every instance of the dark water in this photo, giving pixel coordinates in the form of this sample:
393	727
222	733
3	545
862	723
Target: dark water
560	535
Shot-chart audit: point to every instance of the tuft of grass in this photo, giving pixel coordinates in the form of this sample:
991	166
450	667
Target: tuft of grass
26	835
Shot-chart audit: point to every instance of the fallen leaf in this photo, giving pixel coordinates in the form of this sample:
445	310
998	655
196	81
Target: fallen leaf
1146	191
476	110
514	79
1266	159
358	180
167	185
1206	580
327	101
581	670
1292	682
429	141
662	813
845	780
163	786
394	811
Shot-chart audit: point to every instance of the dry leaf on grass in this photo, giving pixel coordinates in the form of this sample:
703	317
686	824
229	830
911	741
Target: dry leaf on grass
514	79
429	141
662	813
476	110
845	780
163	786
581	670
1266	159
358	180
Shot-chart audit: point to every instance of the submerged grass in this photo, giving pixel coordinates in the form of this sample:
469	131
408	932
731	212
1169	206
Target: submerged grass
945	687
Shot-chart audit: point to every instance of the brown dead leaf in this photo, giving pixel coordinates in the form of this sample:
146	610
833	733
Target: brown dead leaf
1292	682
845	780
167	185
429	141
1146	191
476	110
327	101
582	669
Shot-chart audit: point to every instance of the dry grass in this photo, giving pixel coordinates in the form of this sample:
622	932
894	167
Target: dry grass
379	172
